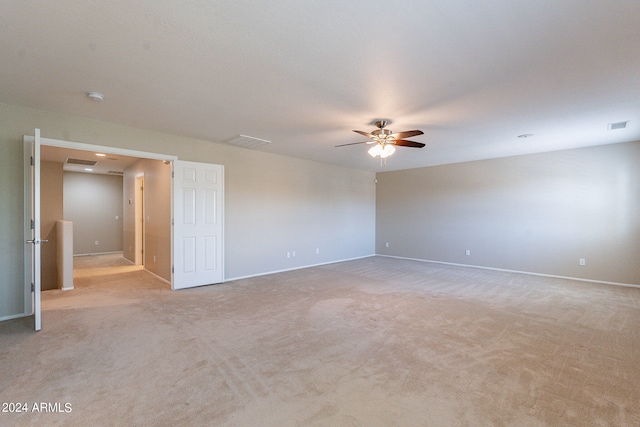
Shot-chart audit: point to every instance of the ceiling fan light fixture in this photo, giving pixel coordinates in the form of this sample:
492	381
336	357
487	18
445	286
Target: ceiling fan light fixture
387	150
385	141
376	150
382	150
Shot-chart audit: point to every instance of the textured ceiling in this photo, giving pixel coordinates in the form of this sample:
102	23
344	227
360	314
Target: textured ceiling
472	75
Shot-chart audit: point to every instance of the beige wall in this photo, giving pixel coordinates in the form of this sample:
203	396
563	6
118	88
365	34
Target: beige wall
51	210
537	213
273	204
157	207
13	295
284	205
93	202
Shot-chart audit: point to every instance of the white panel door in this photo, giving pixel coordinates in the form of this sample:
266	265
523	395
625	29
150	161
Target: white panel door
198	227
32	227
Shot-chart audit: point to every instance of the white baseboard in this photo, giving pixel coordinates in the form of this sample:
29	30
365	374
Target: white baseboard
295	268
15	316
628	285
98	253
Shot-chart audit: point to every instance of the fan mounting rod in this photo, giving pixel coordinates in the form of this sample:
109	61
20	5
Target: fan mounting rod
382	123
381	133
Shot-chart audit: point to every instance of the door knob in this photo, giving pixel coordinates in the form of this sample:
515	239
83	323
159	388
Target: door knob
37	241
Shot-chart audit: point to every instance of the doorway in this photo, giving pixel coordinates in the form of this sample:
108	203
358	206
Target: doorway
196	197
107	205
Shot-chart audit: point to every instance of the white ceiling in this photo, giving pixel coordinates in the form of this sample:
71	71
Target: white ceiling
472	75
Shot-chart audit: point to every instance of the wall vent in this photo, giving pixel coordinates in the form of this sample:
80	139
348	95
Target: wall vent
71	161
116	172
618	125
247	141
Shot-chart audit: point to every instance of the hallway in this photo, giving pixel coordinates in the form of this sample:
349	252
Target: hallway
99	279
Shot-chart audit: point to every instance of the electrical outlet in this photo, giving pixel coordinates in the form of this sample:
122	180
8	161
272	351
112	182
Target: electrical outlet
467	252
288	254
293	253
583	261
97	243
386	244
317	251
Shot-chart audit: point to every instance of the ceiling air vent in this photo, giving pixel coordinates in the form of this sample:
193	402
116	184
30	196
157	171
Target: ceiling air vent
618	125
247	141
71	161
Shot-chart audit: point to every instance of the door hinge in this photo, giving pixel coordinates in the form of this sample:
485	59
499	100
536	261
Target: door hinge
172	270
33	287
172	223
32	162
172	174
33	224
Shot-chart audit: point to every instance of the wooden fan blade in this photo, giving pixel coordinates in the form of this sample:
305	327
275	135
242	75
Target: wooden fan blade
405	143
407	134
368	135
354	143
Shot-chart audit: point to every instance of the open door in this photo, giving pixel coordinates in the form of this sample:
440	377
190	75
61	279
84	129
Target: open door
32	226
198	197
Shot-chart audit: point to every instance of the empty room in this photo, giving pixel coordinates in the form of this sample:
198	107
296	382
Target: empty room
320	213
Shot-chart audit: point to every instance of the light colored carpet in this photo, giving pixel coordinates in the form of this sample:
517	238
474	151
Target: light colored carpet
371	342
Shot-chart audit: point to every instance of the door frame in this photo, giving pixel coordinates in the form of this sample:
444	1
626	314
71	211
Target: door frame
139	222
32	259
105	149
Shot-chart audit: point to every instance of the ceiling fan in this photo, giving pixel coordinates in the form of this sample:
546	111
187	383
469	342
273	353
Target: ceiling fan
385	141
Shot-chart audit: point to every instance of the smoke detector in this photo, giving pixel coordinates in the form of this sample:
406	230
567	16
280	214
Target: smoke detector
96	96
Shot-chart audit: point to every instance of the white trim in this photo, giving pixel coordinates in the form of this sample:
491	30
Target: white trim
99	253
105	149
15	316
296	268
223	218
627	285
28	142
138	219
